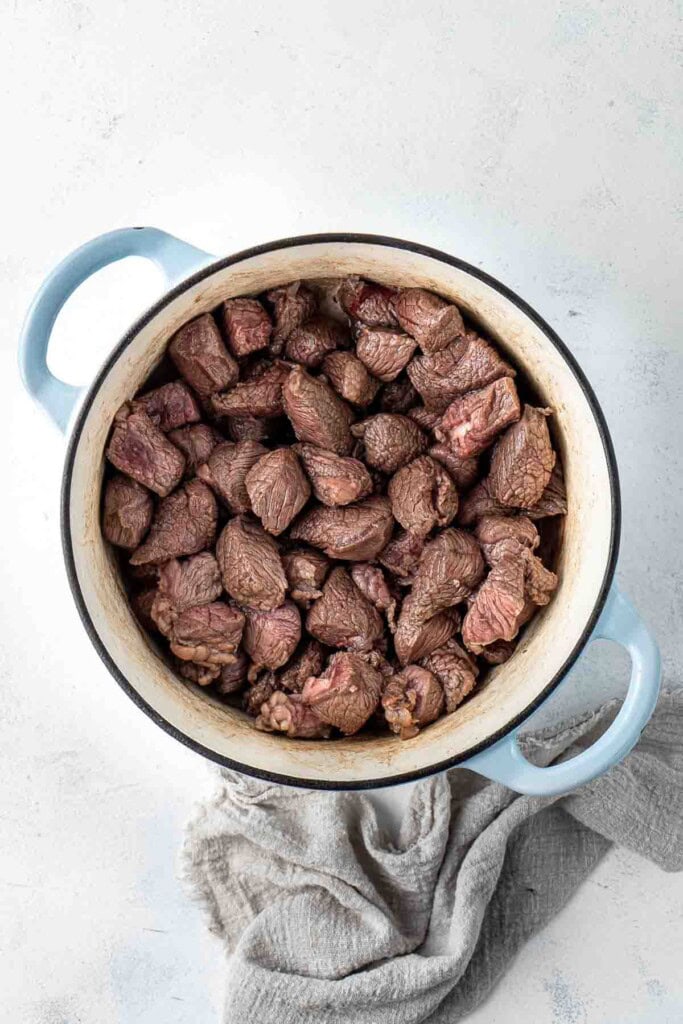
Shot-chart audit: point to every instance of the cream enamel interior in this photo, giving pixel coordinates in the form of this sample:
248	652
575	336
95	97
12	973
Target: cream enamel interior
509	689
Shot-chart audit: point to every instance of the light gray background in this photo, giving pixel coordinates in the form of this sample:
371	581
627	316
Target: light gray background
538	140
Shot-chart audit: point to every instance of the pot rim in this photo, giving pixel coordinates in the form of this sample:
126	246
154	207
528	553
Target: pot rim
287	243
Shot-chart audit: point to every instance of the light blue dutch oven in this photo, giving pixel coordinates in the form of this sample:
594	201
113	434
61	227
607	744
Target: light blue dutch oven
482	734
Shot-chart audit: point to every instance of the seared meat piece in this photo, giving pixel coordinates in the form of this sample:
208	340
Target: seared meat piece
371	582
539	583
259	396
553	501
250	565
293	304
208	635
317	413
287	713
187	584
306	570
463	472
349	378
255	696
383	351
498	607
127	513
343	616
412	699
310	343
278	489
390	440
247	326
270	638
140	450
352	533
423	496
415	638
170	406
479	502
368	302
433	322
198	352
248	428
522	461
346	694
142	606
472	422
498	652
226	472
398	396
233	677
490	530
307	662
468	364
336	479
449	569
402	554
202	675
184	523
196	443
424	417
455	670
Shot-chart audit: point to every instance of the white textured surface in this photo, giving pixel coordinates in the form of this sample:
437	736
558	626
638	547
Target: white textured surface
546	150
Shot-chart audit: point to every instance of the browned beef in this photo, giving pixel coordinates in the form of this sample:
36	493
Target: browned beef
451	566
390	440
553	501
255	696
127	512
490	530
170	406
424	417
423	496
184	584
271	637
142	606
226	472
479	502
472	422
202	675
539	583
498	652
293	304
233	677
415	638
346	694
371	582
498	607
278	489
247	326
384	351
402	554
463	472
249	428
287	713
311	342
455	670
468	364
398	396
308	661
368	302
260	396
317	413
142	451
349	378
343	616
306	570
208	635
198	352
196	443
522	461
184	523
351	533
433	322
412	699
250	565
336	479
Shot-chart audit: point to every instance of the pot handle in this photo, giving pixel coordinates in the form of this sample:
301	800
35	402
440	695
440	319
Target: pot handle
176	259
504	761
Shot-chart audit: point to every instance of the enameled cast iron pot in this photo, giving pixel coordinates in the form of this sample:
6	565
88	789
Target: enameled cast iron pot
482	735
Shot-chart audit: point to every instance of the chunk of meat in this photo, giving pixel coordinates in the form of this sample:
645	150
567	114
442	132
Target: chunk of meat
522	461
226	472
423	496
287	713
372	584
498	608
415	638
412	699
250	565
424	417
433	322
451	566
390	440
260	396
127	513
234	676
398	396
553	501
202	675
208	635
343	616
293	304
308	661
249	428
368	302
455	670
539	583
336	479
479	502
271	637
384	351
402	554
257	695
469	364
490	530
350	378
472	422
351	533
247	326
199	354
346	694
317	413
143	452
196	443
498	652
142	606
278	489
311	342
170	406
463	472
305	570
184	523
194	581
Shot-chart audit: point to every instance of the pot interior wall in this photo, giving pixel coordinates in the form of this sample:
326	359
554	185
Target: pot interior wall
511	688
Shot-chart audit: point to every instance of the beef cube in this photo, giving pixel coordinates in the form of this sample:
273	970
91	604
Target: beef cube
412	699
247	326
207	635
196	443
250	565
451	566
127	513
478	503
317	414
491	530
463	472
343	616
312	341
226	472
469	364
390	441
307	662
256	696
455	670
553	501
415	638
259	396
349	378
198	352
423	496
293	305
424	417
278	489
499	606
522	461
398	396
182	585
170	406
233	677
287	713
472	422
371	582
352	533
539	583
336	479
383	351
402	554
368	302
433	322
140	450
306	570
346	694
271	637
249	428
184	523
